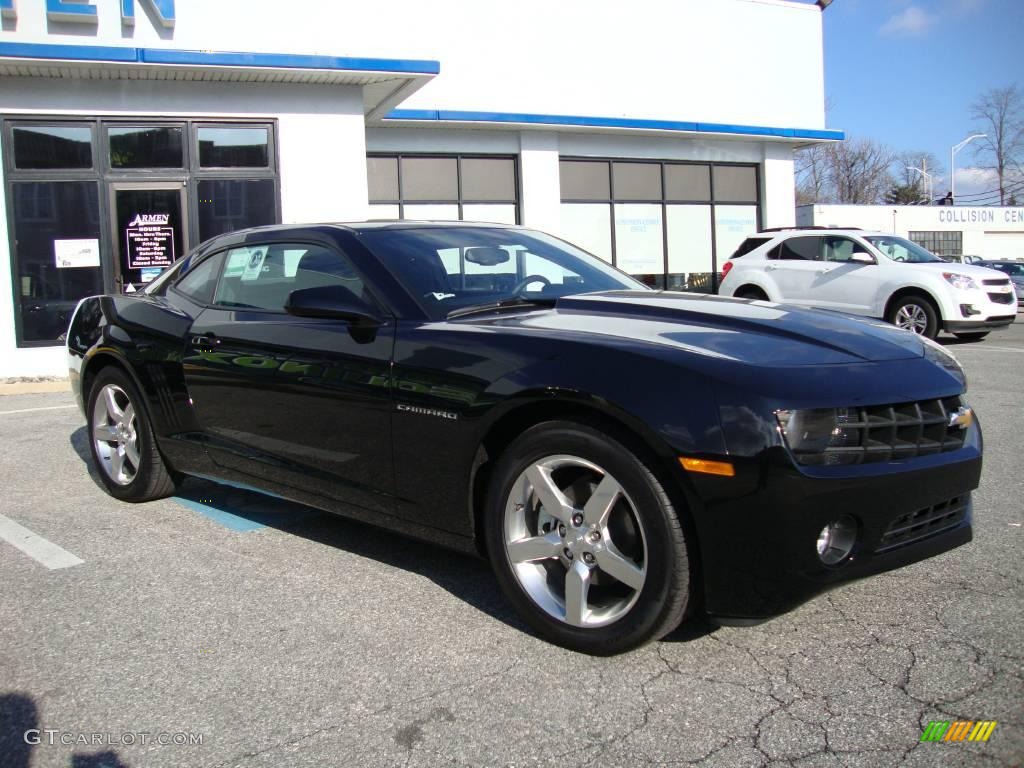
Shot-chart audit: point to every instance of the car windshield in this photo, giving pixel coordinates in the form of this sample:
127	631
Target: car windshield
901	249
448	269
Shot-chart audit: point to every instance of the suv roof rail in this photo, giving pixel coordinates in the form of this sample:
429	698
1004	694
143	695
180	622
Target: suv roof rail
791	229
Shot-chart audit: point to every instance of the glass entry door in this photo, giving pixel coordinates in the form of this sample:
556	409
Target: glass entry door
150	230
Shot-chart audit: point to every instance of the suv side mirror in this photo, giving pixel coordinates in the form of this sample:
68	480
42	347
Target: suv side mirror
862	257
330	301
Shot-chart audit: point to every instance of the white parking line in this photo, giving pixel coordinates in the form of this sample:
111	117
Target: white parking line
35	546
988	347
47	408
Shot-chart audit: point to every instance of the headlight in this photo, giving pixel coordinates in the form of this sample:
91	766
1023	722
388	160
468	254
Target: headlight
960	282
808	433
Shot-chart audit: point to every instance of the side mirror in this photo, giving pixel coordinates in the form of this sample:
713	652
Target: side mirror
862	257
330	301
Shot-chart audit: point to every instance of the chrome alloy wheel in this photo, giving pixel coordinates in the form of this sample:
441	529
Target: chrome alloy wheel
575	541
911	317
115	433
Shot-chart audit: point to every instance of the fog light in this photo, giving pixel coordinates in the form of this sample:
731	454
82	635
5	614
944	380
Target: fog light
968	310
836	540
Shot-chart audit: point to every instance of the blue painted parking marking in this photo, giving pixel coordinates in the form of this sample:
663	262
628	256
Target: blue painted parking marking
239	508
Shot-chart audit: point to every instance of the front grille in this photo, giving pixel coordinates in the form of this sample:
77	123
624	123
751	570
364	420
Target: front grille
997	281
1001	298
880	433
923	523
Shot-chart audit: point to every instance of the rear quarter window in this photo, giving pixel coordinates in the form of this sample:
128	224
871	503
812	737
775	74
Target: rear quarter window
748	245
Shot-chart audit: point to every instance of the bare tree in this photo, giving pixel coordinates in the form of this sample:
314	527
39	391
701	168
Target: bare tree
1000	113
854	171
923	160
811	169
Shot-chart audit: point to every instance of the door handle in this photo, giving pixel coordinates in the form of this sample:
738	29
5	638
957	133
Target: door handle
770	268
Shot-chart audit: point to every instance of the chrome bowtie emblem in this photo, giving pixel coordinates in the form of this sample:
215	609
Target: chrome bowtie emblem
961	417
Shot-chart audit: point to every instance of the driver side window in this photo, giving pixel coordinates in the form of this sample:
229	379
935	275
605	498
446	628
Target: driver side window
840	248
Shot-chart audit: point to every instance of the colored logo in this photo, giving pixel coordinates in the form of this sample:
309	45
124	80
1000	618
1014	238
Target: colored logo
959	730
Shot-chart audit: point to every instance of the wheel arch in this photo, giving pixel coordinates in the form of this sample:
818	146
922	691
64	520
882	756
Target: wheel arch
914	290
754	286
649	447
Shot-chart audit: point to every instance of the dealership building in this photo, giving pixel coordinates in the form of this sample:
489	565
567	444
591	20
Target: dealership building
656	133
992	232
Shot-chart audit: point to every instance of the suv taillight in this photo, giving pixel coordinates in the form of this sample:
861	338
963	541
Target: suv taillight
725	268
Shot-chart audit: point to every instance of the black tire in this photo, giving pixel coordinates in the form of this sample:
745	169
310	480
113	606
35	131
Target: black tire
971	336
916	314
658	605
752	293
152	478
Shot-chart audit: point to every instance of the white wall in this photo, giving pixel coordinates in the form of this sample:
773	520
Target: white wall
752	62
976	224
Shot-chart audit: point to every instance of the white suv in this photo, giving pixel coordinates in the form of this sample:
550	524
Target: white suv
871	274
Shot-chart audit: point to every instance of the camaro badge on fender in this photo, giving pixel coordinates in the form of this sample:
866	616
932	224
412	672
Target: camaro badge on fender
428	411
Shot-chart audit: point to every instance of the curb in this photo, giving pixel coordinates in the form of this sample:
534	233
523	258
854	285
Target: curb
34	387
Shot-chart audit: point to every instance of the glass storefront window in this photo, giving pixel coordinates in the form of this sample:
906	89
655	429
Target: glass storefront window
639	242
57	261
234	147
689	247
588	226
430	178
667	223
38	147
146	147
443	188
229	204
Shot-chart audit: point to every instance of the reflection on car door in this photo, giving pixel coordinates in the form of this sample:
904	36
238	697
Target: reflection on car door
302	402
793	265
841	284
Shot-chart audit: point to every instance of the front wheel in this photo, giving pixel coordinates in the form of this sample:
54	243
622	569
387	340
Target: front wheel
915	314
972	336
585	541
121	437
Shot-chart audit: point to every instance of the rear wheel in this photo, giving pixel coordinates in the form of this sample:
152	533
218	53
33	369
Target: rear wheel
585	541
972	336
121	438
915	314
752	293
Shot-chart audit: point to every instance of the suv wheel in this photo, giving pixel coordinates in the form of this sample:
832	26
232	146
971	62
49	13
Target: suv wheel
585	541
915	314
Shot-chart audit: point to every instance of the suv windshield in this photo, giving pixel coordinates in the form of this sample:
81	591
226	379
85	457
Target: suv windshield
901	249
454	268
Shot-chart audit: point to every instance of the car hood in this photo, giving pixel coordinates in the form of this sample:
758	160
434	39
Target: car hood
752	332
971	270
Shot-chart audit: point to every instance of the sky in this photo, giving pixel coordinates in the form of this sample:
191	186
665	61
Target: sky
905	72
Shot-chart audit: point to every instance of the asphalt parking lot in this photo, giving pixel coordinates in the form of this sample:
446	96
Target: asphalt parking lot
280	636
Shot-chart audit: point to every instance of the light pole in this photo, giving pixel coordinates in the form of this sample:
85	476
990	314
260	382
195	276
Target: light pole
952	160
927	180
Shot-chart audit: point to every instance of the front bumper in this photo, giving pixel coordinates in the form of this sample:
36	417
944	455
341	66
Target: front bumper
758	549
993	323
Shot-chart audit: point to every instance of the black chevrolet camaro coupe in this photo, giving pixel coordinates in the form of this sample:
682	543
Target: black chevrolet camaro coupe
623	457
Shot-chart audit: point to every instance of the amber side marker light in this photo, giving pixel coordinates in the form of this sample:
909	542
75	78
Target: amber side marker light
723	468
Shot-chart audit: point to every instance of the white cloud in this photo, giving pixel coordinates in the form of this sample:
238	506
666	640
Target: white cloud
912	21
973	181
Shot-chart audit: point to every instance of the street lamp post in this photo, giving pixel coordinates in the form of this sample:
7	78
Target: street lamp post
952	160
927	180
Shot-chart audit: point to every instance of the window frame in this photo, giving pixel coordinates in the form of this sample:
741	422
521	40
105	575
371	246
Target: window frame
101	172
375	304
665	202
401	202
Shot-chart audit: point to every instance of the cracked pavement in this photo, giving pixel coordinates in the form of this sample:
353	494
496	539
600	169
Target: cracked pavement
323	642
